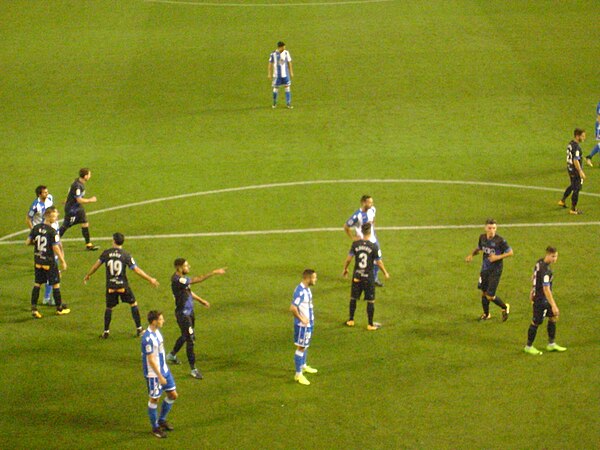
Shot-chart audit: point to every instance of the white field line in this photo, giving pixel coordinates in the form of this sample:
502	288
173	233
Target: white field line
321	230
313	182
258	5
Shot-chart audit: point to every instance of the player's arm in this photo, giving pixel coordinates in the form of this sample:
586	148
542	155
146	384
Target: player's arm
349	232
91	272
201	278
61	256
508	254
379	262
296	312
154	364
550	298
270	70
291	69
153	281
470	256
28	222
579	169
346	264
83	200
200	300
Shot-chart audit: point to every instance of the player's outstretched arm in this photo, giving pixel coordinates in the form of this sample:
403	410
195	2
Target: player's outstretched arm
201	278
200	300
153	281
91	272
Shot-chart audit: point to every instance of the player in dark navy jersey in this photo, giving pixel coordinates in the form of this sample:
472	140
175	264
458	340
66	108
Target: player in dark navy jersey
184	310
74	211
494	249
366	255
117	286
575	170
543	303
46	242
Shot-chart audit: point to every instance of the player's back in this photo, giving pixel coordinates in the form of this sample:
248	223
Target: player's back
43	237
116	261
365	254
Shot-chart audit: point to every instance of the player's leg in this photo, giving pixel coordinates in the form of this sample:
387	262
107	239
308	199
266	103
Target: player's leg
182	323
490	294
539	312
112	300
167	403
305	367
551	328
485	303
568	191
588	158
54	279
154	393
67	223
355	293
576	186
369	290
40	278
275	87
129	298
190	339
301	340
47	294
288	95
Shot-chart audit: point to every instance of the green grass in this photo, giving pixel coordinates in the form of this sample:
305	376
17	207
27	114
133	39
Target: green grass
163	99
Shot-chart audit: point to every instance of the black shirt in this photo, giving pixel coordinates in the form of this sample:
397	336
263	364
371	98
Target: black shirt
116	260
76	191
573	154
542	276
365	254
495	246
44	238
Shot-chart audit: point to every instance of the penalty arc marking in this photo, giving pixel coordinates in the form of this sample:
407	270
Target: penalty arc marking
5	239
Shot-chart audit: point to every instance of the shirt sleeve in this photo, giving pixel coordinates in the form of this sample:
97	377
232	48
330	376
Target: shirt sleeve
546	279
505	248
31	211
148	346
353	220
56	240
131	262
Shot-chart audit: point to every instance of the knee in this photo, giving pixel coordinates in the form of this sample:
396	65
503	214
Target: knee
491	298
173	395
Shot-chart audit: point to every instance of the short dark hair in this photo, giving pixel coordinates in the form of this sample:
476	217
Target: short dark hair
179	262
490	221
118	238
364	198
550	250
578	132
39	189
307	273
49	210
366	228
83	172
280	44
153	315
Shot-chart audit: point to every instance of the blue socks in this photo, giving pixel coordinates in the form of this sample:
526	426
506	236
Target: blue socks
152	409
595	150
47	291
288	97
299	360
275	92
166	407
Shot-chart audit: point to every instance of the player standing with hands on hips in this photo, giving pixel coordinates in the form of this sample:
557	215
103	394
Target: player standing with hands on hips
280	72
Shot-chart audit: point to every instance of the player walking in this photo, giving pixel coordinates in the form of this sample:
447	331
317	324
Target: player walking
304	319
74	211
184	311
46	243
494	249
367	255
352	227
157	374
117	286
575	170
543	303
35	216
280	72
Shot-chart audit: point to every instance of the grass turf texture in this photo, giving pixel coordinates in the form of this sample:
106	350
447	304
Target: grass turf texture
165	99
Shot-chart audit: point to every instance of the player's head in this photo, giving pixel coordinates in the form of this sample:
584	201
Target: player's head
490	228
85	173
579	134
41	192
118	238
181	265
366	201
156	318
309	277
551	255
51	214
366	229
281	45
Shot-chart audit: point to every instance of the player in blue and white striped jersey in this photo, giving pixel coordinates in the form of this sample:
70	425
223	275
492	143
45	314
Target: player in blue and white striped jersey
304	318
157	374
352	227
280	72
35	216
596	149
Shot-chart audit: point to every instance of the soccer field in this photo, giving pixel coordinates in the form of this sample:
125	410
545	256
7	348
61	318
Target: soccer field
445	112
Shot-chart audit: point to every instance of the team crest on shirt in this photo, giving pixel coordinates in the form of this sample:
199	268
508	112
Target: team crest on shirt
183	280
148	348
